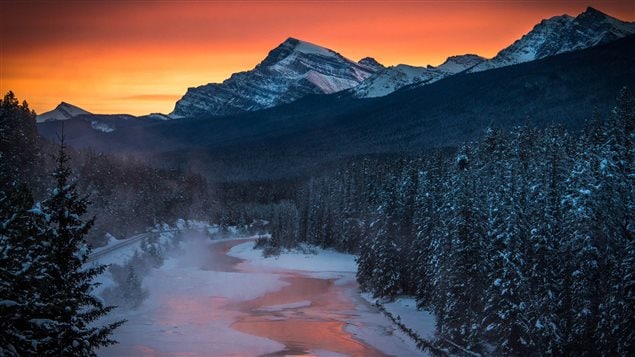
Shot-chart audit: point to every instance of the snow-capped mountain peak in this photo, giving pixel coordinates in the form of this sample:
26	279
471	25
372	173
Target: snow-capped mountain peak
390	79
63	111
561	34
457	64
294	46
290	71
308	48
371	62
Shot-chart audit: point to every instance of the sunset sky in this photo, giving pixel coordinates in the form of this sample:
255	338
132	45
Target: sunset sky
140	56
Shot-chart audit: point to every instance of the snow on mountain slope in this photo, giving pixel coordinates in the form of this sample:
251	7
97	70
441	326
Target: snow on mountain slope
391	79
550	37
291	71
561	34
63	111
458	64
371	62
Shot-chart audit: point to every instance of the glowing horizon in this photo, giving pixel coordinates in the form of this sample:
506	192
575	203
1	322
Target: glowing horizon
140	57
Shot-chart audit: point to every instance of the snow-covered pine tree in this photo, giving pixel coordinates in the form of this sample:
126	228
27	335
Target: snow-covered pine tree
423	221
71	310
428	228
385	274
585	201
460	320
22	271
504	323
616	322
18	142
366	260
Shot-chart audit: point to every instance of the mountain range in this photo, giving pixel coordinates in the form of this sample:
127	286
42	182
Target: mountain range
453	105
296	68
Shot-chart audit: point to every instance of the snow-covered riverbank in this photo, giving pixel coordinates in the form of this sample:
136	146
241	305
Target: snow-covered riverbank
219	297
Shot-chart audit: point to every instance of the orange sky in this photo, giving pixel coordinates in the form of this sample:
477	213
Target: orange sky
141	56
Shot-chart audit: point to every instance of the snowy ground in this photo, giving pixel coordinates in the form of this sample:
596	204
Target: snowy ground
324	261
328	264
185	315
405	309
192	308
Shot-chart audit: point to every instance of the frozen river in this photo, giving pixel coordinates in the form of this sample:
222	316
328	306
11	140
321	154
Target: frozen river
206	302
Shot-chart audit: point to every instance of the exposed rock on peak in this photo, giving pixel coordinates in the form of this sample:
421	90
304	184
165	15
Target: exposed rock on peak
371	62
290	71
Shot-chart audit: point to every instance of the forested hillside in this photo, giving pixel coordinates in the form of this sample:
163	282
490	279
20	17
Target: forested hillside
520	242
127	195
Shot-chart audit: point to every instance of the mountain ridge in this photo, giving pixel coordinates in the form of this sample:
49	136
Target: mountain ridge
298	138
297	68
290	71
560	34
237	94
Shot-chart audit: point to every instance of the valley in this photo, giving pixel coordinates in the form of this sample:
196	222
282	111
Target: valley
295	200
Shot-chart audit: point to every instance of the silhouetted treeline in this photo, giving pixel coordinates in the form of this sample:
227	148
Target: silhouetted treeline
522	243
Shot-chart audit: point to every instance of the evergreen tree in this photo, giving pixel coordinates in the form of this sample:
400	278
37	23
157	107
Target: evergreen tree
71	309
23	255
463	301
18	142
616	321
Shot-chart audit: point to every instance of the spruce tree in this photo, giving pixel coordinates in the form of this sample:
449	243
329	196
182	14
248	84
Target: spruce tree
71	308
18	142
463	301
23	255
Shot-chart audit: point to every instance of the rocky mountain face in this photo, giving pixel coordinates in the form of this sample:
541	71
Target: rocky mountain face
371	62
561	34
390	79
550	37
296	68
291	71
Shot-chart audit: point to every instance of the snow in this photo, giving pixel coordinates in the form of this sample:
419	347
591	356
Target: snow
7	303
186	303
63	111
159	116
329	84
557	35
457	64
309	48
391	79
328	264
324	261
420	321
103	127
292	70
42	322
404	309
280	307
